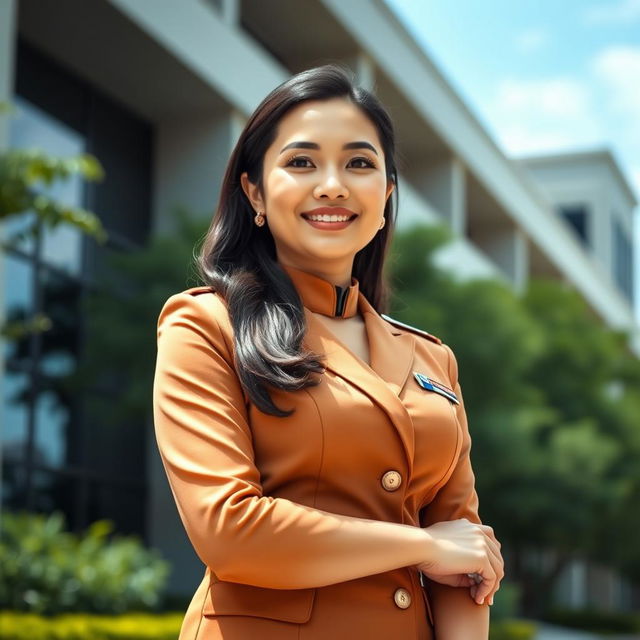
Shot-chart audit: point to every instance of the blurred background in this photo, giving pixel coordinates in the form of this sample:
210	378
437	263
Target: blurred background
518	130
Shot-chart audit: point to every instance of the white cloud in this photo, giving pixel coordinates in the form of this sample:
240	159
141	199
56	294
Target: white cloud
555	96
531	40
549	114
618	67
621	12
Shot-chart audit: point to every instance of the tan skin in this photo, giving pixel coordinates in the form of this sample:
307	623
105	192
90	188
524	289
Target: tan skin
300	179
291	180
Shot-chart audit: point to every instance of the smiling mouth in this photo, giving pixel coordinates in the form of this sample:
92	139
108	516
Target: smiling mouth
327	218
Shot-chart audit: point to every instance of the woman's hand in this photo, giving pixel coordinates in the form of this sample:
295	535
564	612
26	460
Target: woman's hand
465	554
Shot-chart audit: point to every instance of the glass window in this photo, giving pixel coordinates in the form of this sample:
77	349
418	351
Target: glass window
60	297
52	418
576	216
81	462
14	415
622	259
32	128
120	503
14	484
18	300
54	491
55	436
113	441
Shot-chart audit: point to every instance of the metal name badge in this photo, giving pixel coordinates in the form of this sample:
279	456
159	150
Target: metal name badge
432	385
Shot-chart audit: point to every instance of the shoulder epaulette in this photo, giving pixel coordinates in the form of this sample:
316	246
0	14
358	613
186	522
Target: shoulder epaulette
415	330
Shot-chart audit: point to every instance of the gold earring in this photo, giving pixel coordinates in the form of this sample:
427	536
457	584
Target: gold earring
259	218
384	220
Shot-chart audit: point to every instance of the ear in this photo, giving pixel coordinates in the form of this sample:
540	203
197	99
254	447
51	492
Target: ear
252	192
391	185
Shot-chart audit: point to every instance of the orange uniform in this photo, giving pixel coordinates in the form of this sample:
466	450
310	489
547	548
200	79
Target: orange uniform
283	511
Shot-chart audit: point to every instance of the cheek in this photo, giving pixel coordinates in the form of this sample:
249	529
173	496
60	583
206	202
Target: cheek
283	187
371	189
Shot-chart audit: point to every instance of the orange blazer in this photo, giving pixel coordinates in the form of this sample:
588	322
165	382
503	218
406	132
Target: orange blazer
283	511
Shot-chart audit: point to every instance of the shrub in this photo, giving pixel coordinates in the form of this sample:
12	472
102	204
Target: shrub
47	570
76	626
512	630
595	620
505	603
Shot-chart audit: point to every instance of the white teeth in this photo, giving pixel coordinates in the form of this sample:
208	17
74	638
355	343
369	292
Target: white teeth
328	218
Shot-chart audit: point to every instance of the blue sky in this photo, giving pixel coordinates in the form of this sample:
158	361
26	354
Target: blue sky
542	75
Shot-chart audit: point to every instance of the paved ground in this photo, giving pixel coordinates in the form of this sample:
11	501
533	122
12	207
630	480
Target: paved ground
550	632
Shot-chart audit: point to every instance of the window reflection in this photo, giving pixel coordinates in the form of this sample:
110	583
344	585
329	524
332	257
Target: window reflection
14	484
14	415
18	296
52	419
58	359
57	447
32	128
119	503
56	492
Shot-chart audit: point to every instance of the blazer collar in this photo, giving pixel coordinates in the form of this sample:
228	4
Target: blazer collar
391	351
321	296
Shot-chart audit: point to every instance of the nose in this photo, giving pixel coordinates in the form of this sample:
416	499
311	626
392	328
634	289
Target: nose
331	187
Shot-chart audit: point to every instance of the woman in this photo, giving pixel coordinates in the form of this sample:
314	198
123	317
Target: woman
318	451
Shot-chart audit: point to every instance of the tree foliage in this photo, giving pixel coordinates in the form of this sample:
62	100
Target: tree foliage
122	314
553	401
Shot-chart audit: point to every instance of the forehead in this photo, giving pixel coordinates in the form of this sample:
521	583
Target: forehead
326	121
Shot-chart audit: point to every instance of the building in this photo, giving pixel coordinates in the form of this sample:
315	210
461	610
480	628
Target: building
159	91
590	192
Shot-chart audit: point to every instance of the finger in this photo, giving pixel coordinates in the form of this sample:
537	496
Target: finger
489	532
489	573
497	565
485	587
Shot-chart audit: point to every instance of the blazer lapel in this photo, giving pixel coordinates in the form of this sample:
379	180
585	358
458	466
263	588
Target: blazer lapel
391	355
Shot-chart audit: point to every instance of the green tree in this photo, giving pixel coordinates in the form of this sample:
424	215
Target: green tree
26	175
122	315
551	397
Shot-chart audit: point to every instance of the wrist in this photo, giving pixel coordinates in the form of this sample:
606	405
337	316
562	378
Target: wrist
425	547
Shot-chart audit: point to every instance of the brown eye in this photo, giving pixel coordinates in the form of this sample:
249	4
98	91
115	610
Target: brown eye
294	159
367	163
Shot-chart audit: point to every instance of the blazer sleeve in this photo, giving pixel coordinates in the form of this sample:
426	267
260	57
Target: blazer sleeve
455	613
205	443
457	498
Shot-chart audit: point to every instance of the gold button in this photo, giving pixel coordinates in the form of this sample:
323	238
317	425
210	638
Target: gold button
391	480
402	598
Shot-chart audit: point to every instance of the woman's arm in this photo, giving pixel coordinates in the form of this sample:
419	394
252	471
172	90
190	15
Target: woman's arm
456	615
205	443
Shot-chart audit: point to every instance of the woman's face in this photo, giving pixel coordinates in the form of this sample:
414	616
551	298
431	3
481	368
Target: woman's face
308	167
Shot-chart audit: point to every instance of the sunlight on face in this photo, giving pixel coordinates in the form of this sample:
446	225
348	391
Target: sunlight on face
297	180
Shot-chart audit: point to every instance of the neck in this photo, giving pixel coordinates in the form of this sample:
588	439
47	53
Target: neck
339	277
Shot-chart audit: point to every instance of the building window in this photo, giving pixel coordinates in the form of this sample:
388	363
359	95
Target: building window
55	453
576	215
622	259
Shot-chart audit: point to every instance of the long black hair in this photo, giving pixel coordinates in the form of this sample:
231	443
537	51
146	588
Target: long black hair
238	259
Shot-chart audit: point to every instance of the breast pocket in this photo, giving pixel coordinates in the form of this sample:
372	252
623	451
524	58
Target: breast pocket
235	599
437	432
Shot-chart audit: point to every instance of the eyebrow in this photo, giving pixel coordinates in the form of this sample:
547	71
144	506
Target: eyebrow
301	144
